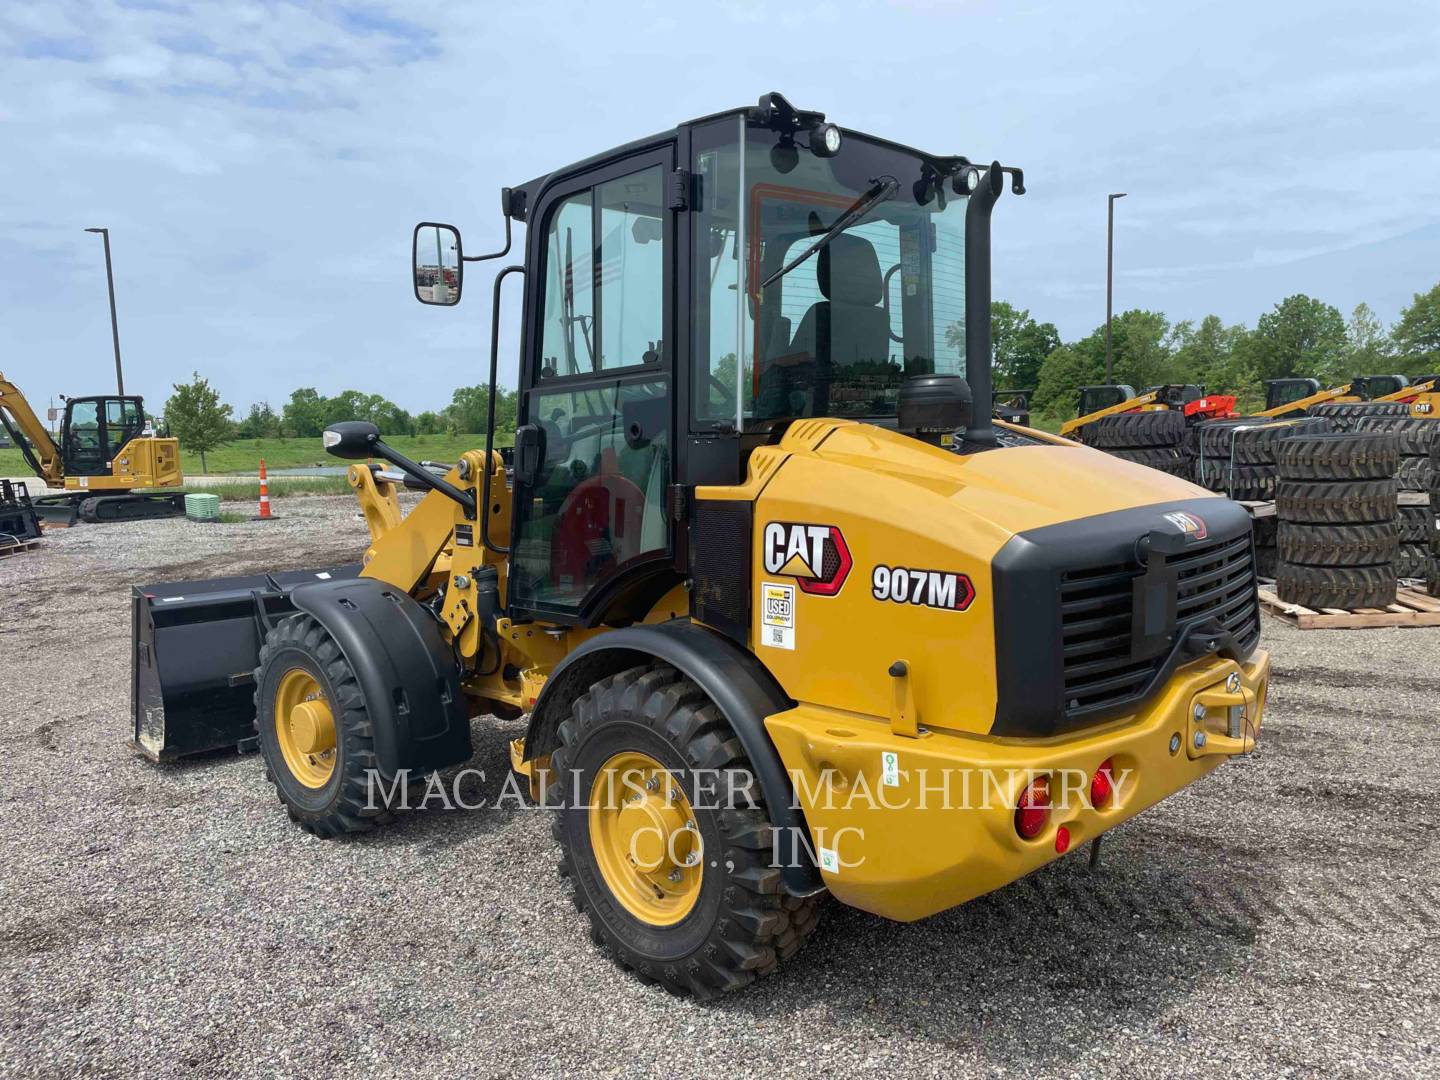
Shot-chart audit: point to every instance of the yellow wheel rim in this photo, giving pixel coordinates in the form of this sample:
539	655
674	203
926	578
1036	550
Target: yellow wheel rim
645	839
305	728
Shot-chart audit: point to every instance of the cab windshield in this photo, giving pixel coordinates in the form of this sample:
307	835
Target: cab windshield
838	333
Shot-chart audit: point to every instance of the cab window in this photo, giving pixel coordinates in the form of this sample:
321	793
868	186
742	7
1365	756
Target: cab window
605	278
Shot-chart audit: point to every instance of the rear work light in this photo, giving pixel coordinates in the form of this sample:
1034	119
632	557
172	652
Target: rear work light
1032	812
1102	786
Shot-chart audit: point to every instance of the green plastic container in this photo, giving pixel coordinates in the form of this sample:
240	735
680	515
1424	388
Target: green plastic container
202	507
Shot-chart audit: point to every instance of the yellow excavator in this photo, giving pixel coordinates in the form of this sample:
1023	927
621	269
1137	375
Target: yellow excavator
107	460
790	613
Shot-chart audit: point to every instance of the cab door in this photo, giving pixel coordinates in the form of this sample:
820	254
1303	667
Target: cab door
594	456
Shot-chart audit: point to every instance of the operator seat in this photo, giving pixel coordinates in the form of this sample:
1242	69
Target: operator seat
849	326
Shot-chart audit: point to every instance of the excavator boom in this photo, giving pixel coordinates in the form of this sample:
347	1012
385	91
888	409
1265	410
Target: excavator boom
29	434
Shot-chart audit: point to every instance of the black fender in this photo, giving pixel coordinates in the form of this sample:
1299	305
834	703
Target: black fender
406	670
739	684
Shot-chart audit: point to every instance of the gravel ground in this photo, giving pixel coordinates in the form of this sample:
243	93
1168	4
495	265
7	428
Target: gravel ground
1278	918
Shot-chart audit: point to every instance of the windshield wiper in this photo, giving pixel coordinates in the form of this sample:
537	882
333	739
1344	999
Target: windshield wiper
880	189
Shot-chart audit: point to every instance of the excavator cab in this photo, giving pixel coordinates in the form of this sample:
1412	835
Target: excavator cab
96	429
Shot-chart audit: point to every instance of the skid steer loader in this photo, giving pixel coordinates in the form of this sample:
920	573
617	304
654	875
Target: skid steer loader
790	614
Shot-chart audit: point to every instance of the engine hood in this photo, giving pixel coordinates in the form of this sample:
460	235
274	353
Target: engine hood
1014	489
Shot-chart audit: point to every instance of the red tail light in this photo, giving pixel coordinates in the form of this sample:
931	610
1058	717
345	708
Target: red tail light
1032	812
1102	786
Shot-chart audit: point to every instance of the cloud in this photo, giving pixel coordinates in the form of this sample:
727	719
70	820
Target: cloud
261	165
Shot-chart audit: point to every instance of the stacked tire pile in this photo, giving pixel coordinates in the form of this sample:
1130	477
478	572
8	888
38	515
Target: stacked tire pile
1416	472
1239	456
1432	564
1347	415
1156	439
1336	504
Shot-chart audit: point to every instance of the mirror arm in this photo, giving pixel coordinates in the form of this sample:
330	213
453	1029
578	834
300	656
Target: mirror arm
490	412
505	211
423	476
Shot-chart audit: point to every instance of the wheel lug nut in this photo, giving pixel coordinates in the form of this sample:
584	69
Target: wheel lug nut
653	784
675	874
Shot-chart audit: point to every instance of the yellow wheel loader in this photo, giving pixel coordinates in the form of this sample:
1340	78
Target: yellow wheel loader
789	614
105	460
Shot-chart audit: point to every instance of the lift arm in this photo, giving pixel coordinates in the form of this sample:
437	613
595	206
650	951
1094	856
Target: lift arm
20	420
1128	405
1410	393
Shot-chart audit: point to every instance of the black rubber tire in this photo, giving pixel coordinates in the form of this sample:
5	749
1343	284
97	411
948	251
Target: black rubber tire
1132	431
1337	502
1411	561
1338	545
1417	524
1250	482
1250	440
1166	459
1347	414
743	923
345	804
1435	474
1432	575
1415	473
1415	435
1336	587
1371	455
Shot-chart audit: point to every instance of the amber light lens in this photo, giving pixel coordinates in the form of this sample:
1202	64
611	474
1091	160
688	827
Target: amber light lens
1032	812
1102	786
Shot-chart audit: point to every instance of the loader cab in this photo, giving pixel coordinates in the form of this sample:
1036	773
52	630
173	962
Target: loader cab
1370	387
689	296
1094	398
95	429
1280	392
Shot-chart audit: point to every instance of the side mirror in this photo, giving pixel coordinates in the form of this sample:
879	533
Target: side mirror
437	264
351	439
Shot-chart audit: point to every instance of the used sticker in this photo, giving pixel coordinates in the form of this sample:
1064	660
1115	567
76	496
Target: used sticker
777	615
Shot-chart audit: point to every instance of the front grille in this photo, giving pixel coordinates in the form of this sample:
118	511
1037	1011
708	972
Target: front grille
1215	584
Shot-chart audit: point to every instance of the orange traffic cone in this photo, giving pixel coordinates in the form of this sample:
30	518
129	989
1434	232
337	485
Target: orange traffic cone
264	493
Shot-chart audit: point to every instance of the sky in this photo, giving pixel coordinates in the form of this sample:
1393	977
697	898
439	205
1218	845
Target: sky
261	165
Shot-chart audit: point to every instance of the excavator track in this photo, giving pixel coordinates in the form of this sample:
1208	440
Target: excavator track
131	507
71	507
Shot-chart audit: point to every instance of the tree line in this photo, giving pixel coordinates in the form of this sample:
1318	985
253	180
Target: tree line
195	413
1301	337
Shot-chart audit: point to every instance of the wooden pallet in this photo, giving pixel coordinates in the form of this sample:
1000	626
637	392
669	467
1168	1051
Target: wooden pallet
1257	508
1411	608
7	548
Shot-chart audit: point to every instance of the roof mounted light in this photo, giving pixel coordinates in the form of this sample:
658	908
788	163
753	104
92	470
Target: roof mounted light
825	140
966	180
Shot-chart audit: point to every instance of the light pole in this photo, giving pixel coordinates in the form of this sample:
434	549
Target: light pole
1109	280
114	323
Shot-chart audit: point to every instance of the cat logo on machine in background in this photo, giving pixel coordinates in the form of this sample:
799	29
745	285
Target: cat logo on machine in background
816	556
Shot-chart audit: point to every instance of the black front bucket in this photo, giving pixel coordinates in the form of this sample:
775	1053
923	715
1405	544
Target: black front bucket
195	646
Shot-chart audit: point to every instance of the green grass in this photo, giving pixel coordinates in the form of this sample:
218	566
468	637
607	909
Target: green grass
243	456
280	487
